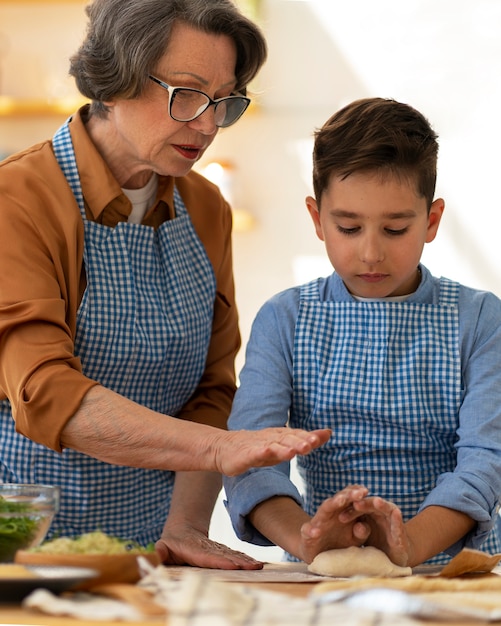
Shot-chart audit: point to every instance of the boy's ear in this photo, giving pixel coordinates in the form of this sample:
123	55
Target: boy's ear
434	217
313	210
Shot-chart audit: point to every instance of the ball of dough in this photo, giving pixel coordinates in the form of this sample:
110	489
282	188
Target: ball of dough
347	562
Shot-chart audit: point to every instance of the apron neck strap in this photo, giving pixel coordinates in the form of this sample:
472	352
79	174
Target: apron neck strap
65	156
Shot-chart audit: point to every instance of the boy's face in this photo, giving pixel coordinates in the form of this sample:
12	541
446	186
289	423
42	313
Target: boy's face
374	230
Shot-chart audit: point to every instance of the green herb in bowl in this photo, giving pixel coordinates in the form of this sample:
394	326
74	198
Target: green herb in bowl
26	513
20	526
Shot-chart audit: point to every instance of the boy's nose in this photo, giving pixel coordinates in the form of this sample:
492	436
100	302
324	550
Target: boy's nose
371	251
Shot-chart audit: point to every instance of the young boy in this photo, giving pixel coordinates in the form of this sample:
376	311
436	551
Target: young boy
404	367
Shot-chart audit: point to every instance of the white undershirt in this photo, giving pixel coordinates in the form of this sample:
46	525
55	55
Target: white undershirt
388	299
142	199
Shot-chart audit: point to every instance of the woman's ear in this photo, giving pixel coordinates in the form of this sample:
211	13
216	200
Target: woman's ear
314	211
434	217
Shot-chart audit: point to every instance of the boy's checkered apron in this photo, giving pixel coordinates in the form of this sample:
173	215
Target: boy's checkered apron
386	377
143	330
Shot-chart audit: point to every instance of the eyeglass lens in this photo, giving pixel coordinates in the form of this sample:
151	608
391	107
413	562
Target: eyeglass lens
187	104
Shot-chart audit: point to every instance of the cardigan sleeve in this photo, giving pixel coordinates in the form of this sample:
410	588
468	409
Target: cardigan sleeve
41	243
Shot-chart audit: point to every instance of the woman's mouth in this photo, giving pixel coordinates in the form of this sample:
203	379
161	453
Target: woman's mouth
189	152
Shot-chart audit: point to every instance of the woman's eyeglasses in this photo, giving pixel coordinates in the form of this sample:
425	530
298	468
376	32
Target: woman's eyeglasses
186	104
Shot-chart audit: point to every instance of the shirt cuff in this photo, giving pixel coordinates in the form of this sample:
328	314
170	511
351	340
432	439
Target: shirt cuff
246	491
455	493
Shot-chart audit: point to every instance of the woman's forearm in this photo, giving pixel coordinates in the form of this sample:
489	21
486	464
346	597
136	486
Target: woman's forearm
193	499
116	430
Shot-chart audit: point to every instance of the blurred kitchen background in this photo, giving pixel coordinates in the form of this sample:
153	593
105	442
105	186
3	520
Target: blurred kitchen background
441	56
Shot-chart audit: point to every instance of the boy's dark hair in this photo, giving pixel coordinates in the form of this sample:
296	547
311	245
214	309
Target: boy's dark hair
376	135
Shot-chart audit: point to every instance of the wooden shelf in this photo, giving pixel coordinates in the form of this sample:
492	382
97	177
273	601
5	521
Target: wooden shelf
12	107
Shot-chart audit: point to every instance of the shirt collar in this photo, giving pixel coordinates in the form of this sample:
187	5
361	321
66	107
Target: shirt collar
99	186
337	289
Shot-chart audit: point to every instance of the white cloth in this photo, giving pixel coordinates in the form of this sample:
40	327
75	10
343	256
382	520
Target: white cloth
194	598
82	606
198	599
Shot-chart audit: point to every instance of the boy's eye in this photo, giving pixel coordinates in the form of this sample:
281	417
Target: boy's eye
348	231
395	232
353	230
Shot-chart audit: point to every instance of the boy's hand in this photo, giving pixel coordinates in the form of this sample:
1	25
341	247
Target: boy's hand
387	529
350	518
336	524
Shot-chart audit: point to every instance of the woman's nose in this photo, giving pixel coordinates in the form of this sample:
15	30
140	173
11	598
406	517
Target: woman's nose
205	123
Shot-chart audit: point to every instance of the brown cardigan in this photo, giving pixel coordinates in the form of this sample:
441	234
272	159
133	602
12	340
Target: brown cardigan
42	280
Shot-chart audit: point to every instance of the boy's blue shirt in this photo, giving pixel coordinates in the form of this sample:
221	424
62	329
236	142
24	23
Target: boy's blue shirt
265	394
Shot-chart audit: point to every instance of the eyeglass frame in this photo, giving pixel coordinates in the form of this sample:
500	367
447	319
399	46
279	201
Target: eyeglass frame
172	91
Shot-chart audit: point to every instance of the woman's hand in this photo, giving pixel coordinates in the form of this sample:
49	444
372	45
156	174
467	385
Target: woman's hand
186	545
237	451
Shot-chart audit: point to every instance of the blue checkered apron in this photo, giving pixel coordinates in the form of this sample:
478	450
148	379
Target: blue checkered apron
386	377
143	330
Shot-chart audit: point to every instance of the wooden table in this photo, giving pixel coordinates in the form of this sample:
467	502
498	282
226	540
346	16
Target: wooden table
17	615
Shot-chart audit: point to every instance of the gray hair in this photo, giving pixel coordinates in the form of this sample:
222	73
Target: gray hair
125	40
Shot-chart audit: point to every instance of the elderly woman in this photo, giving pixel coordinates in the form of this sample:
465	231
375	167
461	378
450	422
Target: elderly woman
118	327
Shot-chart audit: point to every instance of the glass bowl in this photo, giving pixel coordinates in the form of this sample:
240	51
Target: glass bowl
26	513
